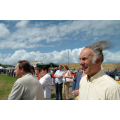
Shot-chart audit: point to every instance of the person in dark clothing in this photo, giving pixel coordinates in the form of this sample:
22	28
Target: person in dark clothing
75	84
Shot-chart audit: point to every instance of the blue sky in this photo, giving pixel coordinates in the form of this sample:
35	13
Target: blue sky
50	40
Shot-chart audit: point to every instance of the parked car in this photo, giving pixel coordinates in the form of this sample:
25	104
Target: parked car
114	72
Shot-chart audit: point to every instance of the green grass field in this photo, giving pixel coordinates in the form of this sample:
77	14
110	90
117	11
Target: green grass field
6	84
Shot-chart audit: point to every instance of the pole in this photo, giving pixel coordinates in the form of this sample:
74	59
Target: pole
68	58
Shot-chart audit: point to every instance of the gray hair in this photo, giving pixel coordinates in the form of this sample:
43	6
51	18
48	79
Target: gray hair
61	66
98	47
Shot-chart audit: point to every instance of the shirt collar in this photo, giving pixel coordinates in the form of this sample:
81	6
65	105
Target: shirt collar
95	77
27	73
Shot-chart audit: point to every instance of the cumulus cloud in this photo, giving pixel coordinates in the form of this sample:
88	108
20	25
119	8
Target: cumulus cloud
22	23
4	32
29	32
110	57
56	57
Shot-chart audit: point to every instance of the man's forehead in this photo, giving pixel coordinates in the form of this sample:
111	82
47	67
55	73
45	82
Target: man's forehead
86	52
17	65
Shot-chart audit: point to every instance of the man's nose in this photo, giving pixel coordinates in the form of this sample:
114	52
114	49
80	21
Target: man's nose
81	62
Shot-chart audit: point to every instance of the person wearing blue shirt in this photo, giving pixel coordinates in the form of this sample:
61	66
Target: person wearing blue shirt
58	82
75	85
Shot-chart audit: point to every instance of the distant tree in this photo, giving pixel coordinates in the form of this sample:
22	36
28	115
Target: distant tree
0	64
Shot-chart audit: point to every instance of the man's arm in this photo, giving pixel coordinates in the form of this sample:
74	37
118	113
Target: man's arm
74	83
16	92
74	86
58	76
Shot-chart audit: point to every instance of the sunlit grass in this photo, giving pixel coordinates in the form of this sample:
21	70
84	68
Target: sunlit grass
6	84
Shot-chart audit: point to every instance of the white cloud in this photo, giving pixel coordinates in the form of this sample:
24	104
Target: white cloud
29	34
22	23
4	32
110	57
56	57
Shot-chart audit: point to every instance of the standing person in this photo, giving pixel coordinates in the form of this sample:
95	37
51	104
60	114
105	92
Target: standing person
27	86
46	82
67	74
12	72
53	78
9	72
58	82
32	70
96	85
75	84
37	73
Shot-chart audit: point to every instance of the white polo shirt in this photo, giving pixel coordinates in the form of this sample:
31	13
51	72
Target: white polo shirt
59	80
99	87
46	83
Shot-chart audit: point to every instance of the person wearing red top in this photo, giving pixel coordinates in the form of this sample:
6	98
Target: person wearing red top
53	78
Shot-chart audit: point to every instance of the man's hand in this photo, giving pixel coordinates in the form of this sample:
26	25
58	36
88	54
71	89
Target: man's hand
83	73
77	92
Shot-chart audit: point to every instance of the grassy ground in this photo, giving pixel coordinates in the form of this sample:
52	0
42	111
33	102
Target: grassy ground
6	84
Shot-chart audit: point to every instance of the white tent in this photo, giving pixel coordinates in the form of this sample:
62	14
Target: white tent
1	67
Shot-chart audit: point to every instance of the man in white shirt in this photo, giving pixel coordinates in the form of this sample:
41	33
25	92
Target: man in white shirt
58	82
46	82
96	85
27	86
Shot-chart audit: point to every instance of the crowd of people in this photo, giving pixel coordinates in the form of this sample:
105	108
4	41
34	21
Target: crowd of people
91	83
2	71
9	72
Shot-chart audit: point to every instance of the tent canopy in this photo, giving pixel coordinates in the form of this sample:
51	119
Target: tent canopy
9	68
1	67
48	64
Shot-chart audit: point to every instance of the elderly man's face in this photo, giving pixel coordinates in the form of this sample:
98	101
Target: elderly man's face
86	57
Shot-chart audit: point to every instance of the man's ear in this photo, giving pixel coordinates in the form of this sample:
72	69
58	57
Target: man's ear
98	61
22	70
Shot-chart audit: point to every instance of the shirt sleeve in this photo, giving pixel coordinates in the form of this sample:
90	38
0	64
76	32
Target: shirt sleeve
115	95
17	92
74	84
44	81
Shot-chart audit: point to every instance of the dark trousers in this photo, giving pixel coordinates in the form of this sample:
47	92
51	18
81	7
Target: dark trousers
58	90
